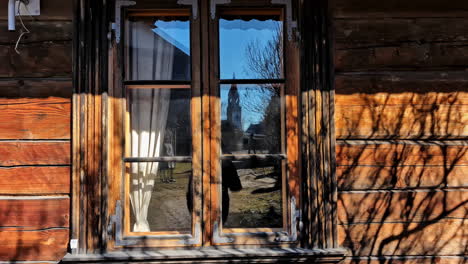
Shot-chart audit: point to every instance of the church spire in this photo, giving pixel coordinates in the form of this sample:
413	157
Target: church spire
234	112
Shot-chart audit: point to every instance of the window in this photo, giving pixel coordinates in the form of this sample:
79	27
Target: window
204	130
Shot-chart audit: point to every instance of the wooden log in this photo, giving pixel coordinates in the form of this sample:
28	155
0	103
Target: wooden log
40	31
401	207
23	245
356	177
398	8
376	31
406	260
44	59
400	165
31	118
443	237
448	87
50	10
35	180
35	212
405	105
405	56
34	153
36	88
399	153
404	121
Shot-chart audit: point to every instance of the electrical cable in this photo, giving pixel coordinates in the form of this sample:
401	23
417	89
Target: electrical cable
25	29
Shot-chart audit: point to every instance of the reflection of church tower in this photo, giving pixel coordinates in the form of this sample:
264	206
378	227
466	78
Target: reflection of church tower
234	112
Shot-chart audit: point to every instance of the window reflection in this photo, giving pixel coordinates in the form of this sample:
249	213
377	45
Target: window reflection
251	125
251	47
252	194
251	119
160	126
165	206
158	48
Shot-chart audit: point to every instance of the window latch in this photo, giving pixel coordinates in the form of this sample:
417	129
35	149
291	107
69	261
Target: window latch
115	227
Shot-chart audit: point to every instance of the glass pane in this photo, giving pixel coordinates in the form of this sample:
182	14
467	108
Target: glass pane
251	47
159	122
251	194
160	196
158	48
251	119
159	127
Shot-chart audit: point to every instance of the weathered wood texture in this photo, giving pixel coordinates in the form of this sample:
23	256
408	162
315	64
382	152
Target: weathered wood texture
35	114
407	260
405	56
402	106
35	88
31	244
364	32
401	94
31	212
446	237
35	180
35	118
401	207
34	153
40	31
42	59
387	165
398	8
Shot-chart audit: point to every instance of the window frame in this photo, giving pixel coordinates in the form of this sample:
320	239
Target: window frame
261	236
96	82
119	142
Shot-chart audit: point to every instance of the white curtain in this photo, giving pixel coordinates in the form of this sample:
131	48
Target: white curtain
152	60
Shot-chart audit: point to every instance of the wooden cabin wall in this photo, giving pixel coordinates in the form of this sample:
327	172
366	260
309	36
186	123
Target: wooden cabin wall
35	104
401	118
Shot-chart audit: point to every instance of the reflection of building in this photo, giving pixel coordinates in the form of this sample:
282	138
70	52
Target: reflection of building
234	111
232	127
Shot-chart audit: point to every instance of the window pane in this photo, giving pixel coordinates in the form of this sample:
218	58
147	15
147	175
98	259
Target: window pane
252	194
251	47
160	122
160	197
159	127
251	119
158	48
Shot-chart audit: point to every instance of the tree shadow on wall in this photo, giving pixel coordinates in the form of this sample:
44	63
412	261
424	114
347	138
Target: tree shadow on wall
401	173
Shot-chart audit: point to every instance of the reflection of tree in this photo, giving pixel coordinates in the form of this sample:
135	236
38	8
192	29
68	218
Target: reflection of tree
265	60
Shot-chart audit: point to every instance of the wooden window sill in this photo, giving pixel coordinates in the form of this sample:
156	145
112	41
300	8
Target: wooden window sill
212	255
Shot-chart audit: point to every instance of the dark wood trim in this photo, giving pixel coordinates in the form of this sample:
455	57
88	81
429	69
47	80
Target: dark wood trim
90	80
318	140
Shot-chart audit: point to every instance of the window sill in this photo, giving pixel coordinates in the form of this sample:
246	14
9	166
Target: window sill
259	255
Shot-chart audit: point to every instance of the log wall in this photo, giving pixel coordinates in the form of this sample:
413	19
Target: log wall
35	105
401	117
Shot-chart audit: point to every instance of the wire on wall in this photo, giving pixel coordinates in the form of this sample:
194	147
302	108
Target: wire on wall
25	30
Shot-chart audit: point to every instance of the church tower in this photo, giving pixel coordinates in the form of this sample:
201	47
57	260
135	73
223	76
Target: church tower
234	110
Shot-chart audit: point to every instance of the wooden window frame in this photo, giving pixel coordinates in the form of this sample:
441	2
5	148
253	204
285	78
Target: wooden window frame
119	145
286	236
94	78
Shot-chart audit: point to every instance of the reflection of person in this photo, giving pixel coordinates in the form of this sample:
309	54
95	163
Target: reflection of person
230	182
171	164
